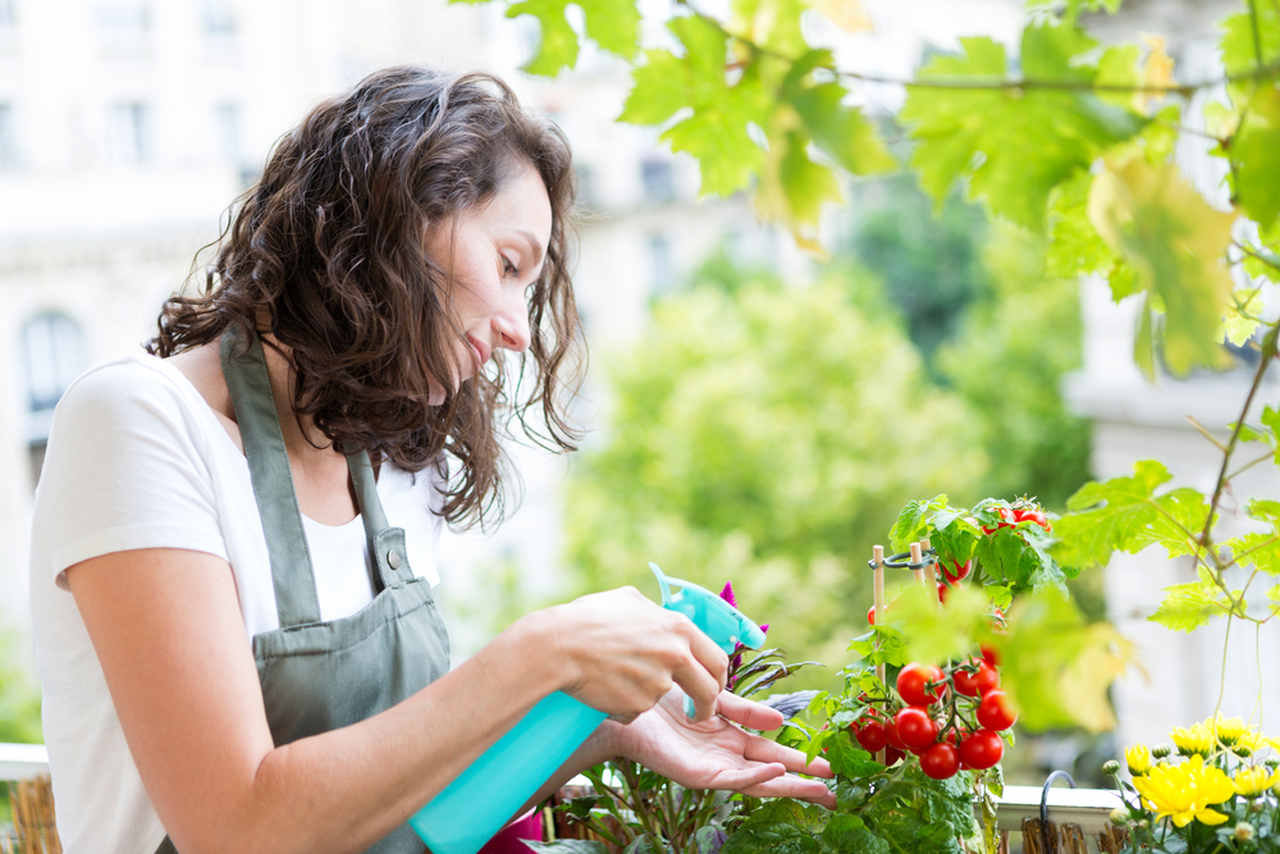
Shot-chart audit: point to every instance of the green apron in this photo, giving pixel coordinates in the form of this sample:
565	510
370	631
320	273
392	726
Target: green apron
319	676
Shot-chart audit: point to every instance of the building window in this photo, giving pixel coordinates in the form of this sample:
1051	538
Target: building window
8	137
587	192
53	354
123	27
217	18
657	180
128	128
661	268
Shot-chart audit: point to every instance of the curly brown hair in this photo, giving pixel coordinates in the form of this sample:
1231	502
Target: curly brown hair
330	246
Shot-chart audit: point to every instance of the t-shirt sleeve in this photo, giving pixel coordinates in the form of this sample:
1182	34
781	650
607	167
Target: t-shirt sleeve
123	471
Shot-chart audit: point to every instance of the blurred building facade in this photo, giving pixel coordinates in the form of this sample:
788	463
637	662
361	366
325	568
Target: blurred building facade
128	126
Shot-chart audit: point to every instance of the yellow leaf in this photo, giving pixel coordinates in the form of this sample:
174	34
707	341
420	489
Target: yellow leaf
848	15
1157	70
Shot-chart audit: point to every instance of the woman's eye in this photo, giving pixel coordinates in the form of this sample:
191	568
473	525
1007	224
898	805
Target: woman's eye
508	269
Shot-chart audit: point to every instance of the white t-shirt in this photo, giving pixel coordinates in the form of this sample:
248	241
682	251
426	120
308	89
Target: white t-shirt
137	459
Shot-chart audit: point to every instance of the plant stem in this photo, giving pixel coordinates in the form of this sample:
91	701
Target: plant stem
1264	362
1262	459
1222	676
1205	432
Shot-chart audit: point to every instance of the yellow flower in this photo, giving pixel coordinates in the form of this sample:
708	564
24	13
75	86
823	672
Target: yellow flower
1195	739
1249	743
1184	792
1229	729
1138	759
1255	780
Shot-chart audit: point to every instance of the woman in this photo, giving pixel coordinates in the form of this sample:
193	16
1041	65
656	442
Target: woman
238	648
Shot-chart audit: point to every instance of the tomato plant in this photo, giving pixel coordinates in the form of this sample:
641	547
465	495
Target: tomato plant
995	712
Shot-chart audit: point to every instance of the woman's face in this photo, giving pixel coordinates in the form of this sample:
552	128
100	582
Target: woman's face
491	254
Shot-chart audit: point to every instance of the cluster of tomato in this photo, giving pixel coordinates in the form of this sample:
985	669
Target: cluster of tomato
1021	511
949	718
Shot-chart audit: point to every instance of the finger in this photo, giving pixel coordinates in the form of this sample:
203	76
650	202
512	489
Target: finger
764	750
748	713
749	776
790	786
701	688
704	649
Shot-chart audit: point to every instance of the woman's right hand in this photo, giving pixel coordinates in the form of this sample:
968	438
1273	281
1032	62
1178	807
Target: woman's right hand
623	653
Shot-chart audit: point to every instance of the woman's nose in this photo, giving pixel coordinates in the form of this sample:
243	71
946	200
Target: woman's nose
511	328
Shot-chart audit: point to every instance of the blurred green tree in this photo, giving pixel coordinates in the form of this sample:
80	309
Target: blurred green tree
766	434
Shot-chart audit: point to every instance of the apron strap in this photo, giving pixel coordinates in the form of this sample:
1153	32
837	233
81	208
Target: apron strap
386	544
291	574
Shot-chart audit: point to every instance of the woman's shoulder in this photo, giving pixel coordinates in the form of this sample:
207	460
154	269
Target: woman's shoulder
128	388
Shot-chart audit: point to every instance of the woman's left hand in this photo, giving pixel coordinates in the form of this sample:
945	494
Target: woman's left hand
717	754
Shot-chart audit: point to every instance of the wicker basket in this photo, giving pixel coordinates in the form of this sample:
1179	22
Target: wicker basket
32	805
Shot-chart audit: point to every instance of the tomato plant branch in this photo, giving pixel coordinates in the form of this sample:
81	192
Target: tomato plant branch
1203	431
1222	675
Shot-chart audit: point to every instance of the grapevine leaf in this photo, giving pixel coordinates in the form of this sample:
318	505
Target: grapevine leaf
558	43
1154	218
1260	550
1249	433
771	24
1237	326
792	187
1237	46
614	25
1013	145
716	131
841	131
1118	66
1188	606
1255	158
1271	420
1179	519
1115	515
1065	682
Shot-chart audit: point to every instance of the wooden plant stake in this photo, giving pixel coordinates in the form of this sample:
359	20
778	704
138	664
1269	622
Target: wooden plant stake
916	557
877	586
931	571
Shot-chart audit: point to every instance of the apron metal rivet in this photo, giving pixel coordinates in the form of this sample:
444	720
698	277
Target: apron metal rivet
393	558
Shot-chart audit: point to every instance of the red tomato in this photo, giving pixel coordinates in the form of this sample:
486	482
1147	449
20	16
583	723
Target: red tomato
872	736
892	755
892	739
957	572
995	712
912	682
990	656
871	615
915	727
986	679
942	592
982	749
940	761
966	682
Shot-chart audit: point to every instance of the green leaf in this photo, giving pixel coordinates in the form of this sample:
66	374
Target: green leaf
1260	550
1238	47
715	133
792	187
1118	66
1064	682
1179	520
1177	243
558	45
1271	420
1255	159
913	521
1123	514
1186	607
781	826
849	834
933	633
1014	146
850	761
567	846
614	25
1144	344
1237	324
841	131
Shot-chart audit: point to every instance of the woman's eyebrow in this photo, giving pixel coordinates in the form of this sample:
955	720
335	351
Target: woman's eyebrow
533	244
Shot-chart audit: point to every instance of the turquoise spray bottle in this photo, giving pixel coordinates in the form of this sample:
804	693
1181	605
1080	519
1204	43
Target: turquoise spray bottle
475	806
